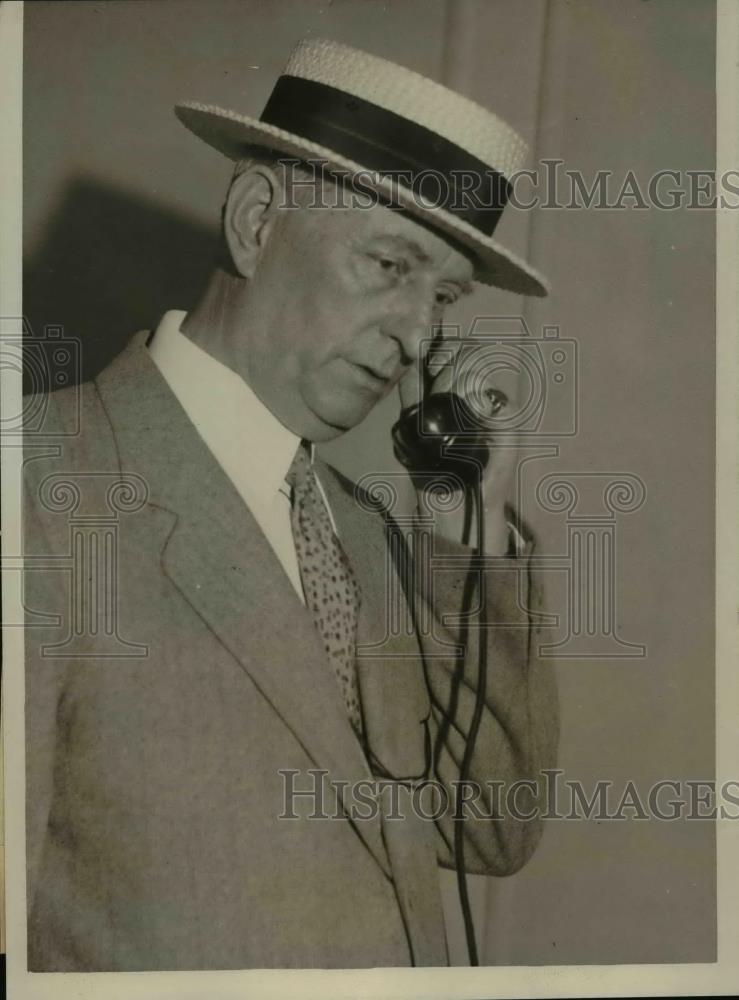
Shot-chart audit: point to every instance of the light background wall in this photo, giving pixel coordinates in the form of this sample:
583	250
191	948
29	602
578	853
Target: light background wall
119	210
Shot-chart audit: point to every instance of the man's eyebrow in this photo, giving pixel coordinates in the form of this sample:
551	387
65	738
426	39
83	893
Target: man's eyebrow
403	243
466	286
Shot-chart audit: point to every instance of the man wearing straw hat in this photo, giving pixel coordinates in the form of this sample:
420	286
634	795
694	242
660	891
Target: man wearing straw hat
194	771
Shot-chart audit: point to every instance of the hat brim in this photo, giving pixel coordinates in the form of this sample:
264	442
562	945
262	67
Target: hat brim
230	132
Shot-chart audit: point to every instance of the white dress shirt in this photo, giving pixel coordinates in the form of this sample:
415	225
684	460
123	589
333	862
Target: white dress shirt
252	447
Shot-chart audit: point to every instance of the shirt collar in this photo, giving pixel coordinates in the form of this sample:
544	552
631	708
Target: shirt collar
249	442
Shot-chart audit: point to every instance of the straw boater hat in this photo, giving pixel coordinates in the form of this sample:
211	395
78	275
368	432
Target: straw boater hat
368	118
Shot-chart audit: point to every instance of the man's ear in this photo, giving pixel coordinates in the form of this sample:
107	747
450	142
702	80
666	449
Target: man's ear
249	215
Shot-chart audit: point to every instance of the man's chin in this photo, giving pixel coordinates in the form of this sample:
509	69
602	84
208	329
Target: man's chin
332	421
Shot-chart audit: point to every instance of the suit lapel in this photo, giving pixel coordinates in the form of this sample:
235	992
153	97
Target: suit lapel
219	560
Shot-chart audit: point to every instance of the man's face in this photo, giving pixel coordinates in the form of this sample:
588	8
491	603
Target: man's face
344	300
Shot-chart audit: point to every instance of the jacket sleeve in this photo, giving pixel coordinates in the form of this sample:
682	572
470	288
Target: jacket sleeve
55	449
519	726
45	592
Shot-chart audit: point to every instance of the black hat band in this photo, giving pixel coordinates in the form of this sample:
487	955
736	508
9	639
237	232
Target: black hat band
436	170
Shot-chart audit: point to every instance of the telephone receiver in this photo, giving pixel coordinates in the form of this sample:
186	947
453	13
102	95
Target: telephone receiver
443	434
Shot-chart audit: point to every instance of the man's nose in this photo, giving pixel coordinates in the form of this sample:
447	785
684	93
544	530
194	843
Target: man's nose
411	326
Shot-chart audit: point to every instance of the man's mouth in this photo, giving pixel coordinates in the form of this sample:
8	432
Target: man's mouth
375	380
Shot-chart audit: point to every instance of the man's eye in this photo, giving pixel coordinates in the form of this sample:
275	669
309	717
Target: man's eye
389	264
445	298
392	266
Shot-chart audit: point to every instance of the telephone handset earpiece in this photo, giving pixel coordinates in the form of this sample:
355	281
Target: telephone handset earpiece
441	433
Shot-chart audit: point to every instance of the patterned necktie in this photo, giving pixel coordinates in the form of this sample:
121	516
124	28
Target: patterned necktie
331	592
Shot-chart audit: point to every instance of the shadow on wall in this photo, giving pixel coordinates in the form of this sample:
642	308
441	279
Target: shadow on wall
110	263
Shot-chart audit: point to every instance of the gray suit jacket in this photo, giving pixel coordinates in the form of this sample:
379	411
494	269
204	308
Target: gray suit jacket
167	708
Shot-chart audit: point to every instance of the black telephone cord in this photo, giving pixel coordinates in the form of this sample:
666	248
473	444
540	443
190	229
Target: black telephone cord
473	496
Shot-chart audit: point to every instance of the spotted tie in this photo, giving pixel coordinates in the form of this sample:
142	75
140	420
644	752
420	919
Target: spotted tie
331	592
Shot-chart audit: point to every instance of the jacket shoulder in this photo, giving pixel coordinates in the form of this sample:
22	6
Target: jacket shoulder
71	423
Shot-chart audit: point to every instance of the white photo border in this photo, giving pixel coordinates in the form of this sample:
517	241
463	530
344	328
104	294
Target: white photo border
719	978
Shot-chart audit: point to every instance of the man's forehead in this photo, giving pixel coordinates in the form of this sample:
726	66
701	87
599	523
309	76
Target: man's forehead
399	230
